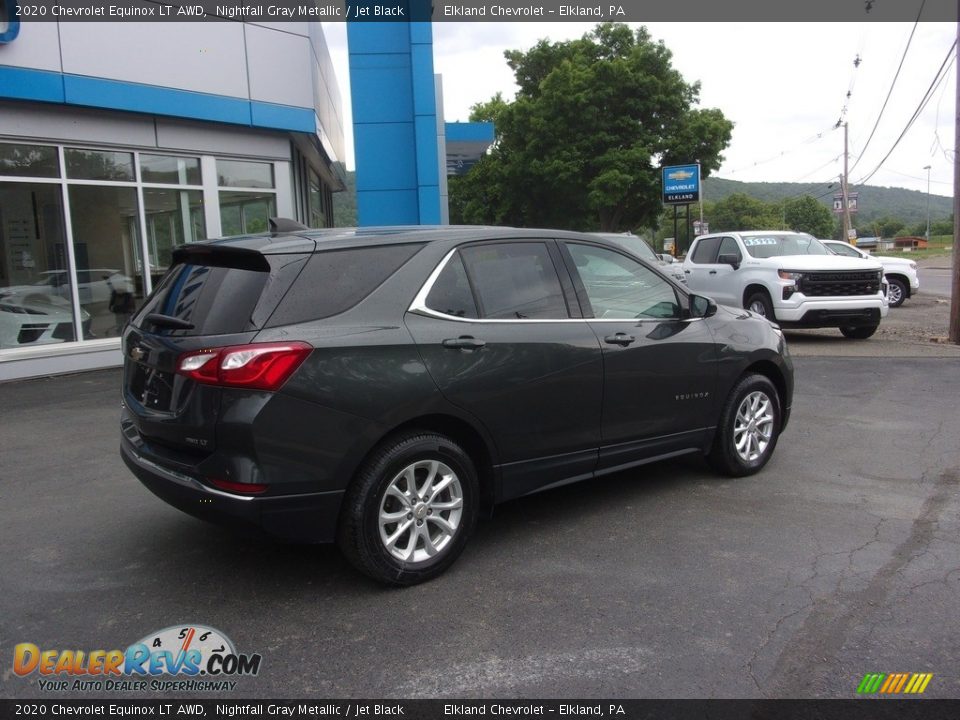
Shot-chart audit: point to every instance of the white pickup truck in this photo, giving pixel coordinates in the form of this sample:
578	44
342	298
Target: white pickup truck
790	278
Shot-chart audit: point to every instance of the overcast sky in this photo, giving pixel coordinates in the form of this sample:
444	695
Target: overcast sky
783	85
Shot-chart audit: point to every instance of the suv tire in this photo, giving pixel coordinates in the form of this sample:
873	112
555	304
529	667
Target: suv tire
760	303
749	426
410	510
861	332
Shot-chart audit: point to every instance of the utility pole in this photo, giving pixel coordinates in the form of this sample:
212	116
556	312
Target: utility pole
927	168
845	191
955	291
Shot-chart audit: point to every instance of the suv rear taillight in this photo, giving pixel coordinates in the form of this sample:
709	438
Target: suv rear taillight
263	366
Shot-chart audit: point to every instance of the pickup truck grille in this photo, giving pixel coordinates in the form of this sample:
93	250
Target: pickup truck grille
841	284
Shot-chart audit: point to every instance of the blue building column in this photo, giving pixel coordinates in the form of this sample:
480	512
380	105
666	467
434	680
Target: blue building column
395	120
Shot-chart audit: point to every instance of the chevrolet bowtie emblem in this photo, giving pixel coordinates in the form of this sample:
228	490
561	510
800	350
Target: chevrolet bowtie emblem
137	354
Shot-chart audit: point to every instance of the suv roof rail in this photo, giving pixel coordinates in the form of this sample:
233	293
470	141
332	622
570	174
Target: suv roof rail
282	224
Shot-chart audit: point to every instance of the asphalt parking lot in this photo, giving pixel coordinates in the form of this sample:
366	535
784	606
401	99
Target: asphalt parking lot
840	558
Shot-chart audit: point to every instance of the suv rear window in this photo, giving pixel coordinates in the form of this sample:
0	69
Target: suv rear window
220	293
335	280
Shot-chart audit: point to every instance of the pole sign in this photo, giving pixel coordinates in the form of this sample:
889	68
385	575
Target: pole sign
852	202
681	184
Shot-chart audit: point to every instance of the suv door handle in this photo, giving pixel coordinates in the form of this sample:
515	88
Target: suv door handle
621	339
686	271
713	272
464	342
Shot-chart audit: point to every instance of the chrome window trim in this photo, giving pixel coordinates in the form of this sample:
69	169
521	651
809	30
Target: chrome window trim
419	306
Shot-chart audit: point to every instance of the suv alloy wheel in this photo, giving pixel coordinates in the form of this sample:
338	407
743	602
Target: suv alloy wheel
749	427
410	510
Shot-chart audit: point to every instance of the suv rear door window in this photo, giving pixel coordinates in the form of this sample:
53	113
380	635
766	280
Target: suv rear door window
515	281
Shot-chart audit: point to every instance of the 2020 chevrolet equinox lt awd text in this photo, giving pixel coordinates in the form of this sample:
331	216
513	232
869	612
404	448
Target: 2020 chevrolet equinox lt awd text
379	387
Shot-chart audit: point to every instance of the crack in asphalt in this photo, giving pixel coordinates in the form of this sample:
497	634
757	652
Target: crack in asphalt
826	628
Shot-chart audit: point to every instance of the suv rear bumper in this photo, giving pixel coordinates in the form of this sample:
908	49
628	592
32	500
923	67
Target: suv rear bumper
299	518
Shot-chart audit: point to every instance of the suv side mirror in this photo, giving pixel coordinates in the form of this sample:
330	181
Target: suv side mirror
701	307
731	259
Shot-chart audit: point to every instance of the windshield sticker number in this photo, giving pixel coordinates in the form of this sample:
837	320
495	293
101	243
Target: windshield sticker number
749	242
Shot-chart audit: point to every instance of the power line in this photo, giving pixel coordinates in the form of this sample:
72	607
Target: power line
938	78
892	85
803	143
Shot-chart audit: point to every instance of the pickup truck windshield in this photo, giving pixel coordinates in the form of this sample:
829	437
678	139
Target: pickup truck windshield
776	244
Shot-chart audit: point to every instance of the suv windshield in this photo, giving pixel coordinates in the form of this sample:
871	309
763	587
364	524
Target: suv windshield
776	244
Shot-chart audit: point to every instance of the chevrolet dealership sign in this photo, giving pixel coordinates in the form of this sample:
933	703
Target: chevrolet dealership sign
681	184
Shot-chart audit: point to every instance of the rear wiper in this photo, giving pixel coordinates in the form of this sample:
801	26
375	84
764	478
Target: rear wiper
169	321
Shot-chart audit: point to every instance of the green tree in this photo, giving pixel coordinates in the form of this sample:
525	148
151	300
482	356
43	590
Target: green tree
742	212
887	227
805	214
581	145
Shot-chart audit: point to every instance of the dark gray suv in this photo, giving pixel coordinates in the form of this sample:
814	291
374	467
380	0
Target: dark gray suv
379	387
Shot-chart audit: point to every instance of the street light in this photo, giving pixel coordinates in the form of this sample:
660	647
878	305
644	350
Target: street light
927	168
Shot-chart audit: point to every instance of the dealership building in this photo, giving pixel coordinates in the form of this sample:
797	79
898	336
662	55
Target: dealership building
121	140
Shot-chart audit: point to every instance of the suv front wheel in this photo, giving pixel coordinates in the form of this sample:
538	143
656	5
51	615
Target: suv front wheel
748	429
410	510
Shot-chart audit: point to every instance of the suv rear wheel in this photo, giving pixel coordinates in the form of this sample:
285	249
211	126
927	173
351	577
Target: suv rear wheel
749	427
759	302
859	333
410	510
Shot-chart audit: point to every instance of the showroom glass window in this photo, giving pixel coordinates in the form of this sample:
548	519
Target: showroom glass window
104	216
85	233
35	283
247	196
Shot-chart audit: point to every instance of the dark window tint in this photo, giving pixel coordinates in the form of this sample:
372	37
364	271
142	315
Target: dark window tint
451	293
515	280
706	250
728	246
215	300
335	280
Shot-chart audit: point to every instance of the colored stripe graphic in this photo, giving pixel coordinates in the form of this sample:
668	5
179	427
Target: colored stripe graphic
894	683
870	683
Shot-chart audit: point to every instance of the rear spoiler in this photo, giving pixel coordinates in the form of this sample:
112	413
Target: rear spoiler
221	256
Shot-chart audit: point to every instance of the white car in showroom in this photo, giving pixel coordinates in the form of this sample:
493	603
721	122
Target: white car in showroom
36	319
790	278
901	273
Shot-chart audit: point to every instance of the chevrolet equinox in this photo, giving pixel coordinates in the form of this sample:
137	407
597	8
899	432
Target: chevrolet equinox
381	387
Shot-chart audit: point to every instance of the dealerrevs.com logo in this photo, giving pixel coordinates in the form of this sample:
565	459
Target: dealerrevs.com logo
181	658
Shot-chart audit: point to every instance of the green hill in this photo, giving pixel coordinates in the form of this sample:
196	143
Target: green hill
908	206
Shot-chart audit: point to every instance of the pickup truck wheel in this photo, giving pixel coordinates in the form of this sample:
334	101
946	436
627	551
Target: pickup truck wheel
748	428
410	510
759	302
859	333
897	292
